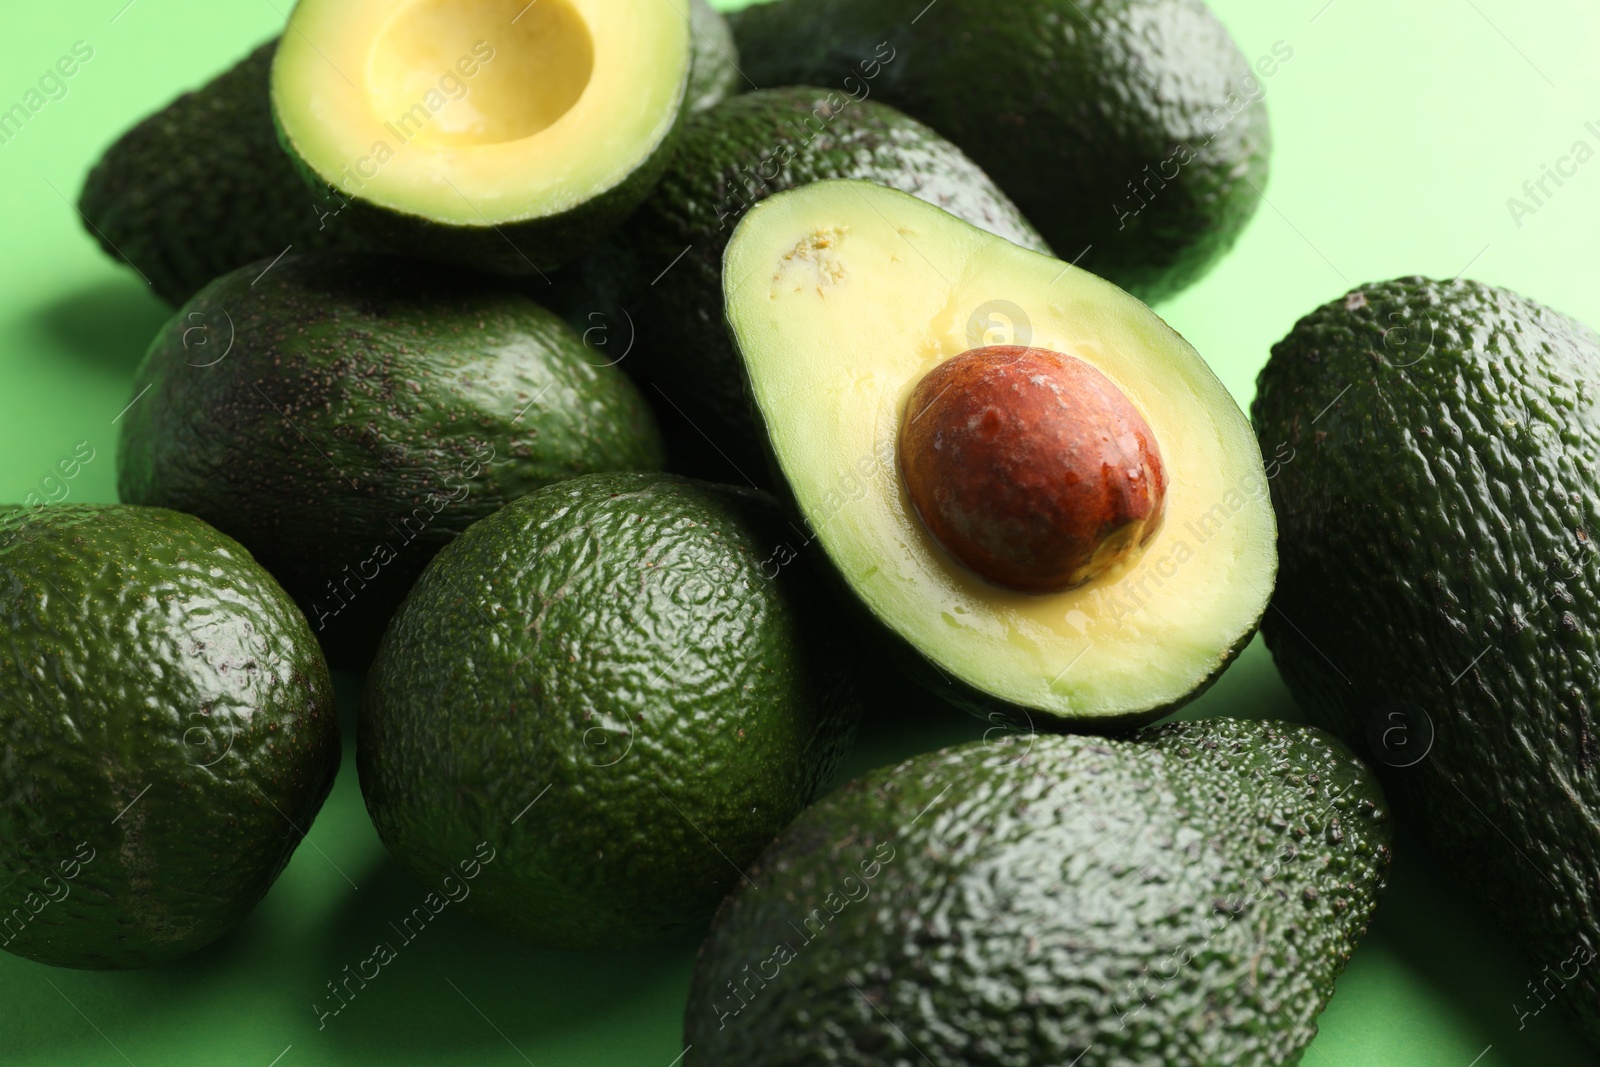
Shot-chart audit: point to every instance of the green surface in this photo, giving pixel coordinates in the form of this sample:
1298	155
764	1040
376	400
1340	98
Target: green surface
1400	133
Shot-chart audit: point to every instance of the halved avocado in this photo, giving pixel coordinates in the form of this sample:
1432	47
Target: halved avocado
502	134
843	296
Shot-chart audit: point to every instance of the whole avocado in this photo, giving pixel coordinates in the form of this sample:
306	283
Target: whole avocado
620	685
1185	897
1131	132
169	734
345	415
1432	445
201	187
664	268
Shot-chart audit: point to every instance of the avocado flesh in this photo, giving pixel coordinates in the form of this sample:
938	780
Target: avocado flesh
664	266
631	651
499	134
1133	133
345	416
170	734
243	199
840	297
1435	447
1184	898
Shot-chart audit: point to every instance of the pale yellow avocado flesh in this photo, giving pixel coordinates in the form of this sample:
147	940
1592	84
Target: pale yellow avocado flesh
841	295
477	112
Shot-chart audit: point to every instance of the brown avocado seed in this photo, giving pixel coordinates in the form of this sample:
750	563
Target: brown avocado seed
1030	467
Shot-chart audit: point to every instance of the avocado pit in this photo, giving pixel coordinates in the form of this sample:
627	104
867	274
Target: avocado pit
1030	467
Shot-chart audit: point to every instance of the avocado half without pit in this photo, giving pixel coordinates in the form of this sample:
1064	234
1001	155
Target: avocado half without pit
1071	526
496	133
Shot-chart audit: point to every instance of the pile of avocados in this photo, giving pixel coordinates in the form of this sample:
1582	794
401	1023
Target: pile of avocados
641	397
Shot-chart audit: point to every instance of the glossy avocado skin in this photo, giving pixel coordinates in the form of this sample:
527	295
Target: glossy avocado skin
1184	897
1438	600
630	654
664	268
170	733
1064	103
344	416
201	187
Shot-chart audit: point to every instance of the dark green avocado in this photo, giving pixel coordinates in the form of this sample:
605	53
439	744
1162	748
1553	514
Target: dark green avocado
658	284
344	416
624	685
169	734
1131	132
201	187
1186	897
1432	446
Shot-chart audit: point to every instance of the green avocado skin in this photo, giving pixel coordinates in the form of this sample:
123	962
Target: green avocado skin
345	415
714	75
1124	129
1438	602
635	657
201	187
169	734
664	269
1182	898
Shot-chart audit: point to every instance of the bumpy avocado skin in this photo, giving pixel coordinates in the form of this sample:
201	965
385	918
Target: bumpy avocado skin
714	75
1434	445
170	733
664	268
1186	898
201	187
1131	132
344	416
633	655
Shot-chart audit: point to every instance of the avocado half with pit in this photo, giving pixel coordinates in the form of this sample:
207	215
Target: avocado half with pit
500	134
1021	471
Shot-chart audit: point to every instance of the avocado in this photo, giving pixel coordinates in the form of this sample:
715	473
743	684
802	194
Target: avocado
182	217
624	686
169	734
201	188
346	415
1434	446
497	135
1072	528
714	73
1132	132
1187	896
665	267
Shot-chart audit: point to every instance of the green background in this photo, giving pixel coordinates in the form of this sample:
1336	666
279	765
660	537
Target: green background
1401	133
